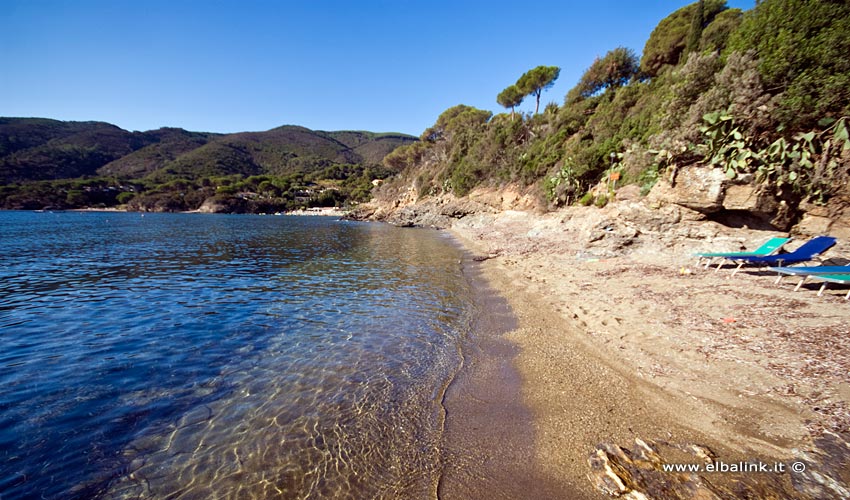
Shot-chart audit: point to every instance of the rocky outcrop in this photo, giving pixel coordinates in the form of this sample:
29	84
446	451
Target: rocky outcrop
213	205
709	191
700	189
644	472
833	219
757	199
439	213
694	194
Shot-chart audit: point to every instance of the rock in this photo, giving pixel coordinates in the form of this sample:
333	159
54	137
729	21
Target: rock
438	213
638	473
837	211
827	468
609	236
365	211
757	200
212	205
697	188
812	209
640	216
507	197
628	193
813	225
840	228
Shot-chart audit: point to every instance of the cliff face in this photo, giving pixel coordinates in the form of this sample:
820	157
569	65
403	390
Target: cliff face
701	194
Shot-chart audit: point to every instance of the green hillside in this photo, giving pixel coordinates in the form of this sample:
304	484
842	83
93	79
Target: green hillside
76	164
762	94
281	151
37	148
167	144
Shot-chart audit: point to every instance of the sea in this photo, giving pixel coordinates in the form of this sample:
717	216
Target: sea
225	356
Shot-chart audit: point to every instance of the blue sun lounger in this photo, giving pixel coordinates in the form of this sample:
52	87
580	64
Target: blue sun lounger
769	247
807	251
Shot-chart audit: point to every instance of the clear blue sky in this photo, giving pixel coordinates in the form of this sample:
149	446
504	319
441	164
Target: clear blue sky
228	66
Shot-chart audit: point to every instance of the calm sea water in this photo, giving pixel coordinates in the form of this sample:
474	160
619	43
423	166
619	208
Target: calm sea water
215	356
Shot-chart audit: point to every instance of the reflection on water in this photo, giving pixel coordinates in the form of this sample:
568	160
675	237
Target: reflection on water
199	356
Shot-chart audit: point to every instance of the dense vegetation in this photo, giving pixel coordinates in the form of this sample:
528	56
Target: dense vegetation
764	92
49	163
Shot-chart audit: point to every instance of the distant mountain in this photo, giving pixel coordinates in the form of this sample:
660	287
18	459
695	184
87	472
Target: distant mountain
282	151
43	149
166	145
38	148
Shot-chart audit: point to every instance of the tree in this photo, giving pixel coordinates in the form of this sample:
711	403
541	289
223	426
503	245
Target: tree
802	47
668	40
697	25
511	97
453	119
716	35
535	81
612	71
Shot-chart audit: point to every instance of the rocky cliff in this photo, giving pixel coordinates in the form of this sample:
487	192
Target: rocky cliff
700	193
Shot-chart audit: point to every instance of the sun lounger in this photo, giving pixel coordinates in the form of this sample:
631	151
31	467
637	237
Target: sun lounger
807	251
805	271
831	278
769	247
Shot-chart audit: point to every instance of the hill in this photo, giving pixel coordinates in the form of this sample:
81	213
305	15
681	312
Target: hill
38	148
73	164
715	89
41	149
166	145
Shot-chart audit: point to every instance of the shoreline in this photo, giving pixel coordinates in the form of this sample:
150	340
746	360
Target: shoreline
609	354
488	436
563	435
316	212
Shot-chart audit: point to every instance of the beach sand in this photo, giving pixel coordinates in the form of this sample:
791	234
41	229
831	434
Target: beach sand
619	336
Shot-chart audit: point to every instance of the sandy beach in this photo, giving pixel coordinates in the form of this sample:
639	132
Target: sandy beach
629	353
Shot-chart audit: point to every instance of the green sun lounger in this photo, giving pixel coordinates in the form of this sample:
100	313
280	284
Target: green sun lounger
806	271
830	278
769	247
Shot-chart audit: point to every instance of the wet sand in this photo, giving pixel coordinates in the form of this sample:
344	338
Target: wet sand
488	444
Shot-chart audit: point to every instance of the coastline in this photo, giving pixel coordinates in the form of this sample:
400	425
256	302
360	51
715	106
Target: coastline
620	345
575	399
317	211
488	436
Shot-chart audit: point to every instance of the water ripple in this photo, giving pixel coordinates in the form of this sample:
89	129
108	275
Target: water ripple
222	356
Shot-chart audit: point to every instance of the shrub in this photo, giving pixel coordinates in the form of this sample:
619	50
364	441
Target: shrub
124	197
601	201
716	35
667	41
802	47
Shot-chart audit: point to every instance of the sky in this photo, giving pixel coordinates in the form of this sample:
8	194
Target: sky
252	65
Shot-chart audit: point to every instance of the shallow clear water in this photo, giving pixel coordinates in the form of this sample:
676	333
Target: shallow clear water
214	356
